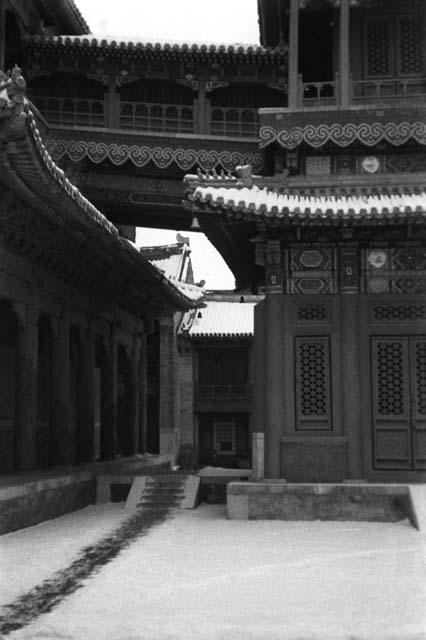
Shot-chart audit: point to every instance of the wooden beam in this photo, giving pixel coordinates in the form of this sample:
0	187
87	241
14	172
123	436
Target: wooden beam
293	55
344	61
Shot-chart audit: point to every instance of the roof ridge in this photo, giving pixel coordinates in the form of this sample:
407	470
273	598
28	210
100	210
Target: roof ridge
157	45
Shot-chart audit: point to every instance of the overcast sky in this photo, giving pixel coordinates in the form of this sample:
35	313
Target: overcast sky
219	21
195	20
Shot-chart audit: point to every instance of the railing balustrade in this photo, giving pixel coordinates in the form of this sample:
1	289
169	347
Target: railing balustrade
71	111
143	116
318	94
228	121
388	88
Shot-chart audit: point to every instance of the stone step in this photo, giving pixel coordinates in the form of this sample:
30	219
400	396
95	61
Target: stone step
165	487
171	503
165	483
163	492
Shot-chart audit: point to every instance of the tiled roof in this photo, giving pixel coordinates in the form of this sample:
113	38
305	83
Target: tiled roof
404	204
190	291
176	50
171	259
25	164
220	319
68	13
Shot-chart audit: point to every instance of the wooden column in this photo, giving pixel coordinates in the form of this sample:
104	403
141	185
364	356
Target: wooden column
167	386
109	401
293	56
133	395
2	35
112	104
62	440
86	397
200	109
351	391
274	345
344	55
258	420
26	387
143	390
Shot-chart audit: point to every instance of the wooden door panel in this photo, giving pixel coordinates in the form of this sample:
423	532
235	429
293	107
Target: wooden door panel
313	383
418	393
391	403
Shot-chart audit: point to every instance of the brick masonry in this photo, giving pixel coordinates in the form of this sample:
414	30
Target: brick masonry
37	503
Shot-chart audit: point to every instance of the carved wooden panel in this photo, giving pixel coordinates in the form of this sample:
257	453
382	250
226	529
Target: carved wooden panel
399	312
418	368
313	389
391	407
378	47
313	313
399	402
410	45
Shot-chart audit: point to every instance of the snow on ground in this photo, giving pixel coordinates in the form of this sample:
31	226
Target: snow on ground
33	554
200	576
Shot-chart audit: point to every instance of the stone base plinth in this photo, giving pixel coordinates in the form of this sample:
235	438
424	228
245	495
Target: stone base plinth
280	500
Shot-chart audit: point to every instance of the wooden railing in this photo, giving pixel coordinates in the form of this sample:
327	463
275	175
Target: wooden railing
228	121
143	116
71	111
146	116
222	391
388	88
318	94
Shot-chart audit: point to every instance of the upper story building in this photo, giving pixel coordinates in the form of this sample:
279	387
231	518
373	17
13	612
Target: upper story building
335	93
356	83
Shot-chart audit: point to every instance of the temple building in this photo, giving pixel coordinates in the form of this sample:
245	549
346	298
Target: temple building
337	229
308	174
77	302
216	376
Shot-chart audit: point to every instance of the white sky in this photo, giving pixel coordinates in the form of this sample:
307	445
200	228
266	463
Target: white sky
220	21
187	20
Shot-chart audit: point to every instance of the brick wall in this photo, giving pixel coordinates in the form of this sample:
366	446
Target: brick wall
29	504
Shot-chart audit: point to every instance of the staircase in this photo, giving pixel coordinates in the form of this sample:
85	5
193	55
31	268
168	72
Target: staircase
163	492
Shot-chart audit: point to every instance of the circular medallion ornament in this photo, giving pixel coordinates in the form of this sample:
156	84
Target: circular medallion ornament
377	258
370	164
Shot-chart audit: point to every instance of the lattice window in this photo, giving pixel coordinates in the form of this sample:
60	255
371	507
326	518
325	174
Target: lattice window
312	312
378	48
400	312
390	378
411	45
420	364
224	438
313	383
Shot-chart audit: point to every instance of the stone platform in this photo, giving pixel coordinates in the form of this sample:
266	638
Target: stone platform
280	500
29	498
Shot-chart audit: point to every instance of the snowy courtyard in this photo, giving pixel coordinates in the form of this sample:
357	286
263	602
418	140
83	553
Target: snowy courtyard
197	575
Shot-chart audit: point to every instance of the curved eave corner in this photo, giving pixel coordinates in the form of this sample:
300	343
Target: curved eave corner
34	169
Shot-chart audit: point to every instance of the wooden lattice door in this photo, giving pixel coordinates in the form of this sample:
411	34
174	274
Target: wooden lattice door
399	402
393	55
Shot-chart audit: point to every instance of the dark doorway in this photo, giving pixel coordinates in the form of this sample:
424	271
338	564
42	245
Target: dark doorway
224	440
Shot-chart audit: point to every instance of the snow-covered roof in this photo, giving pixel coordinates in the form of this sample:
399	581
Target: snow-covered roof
172	259
220	319
405	203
